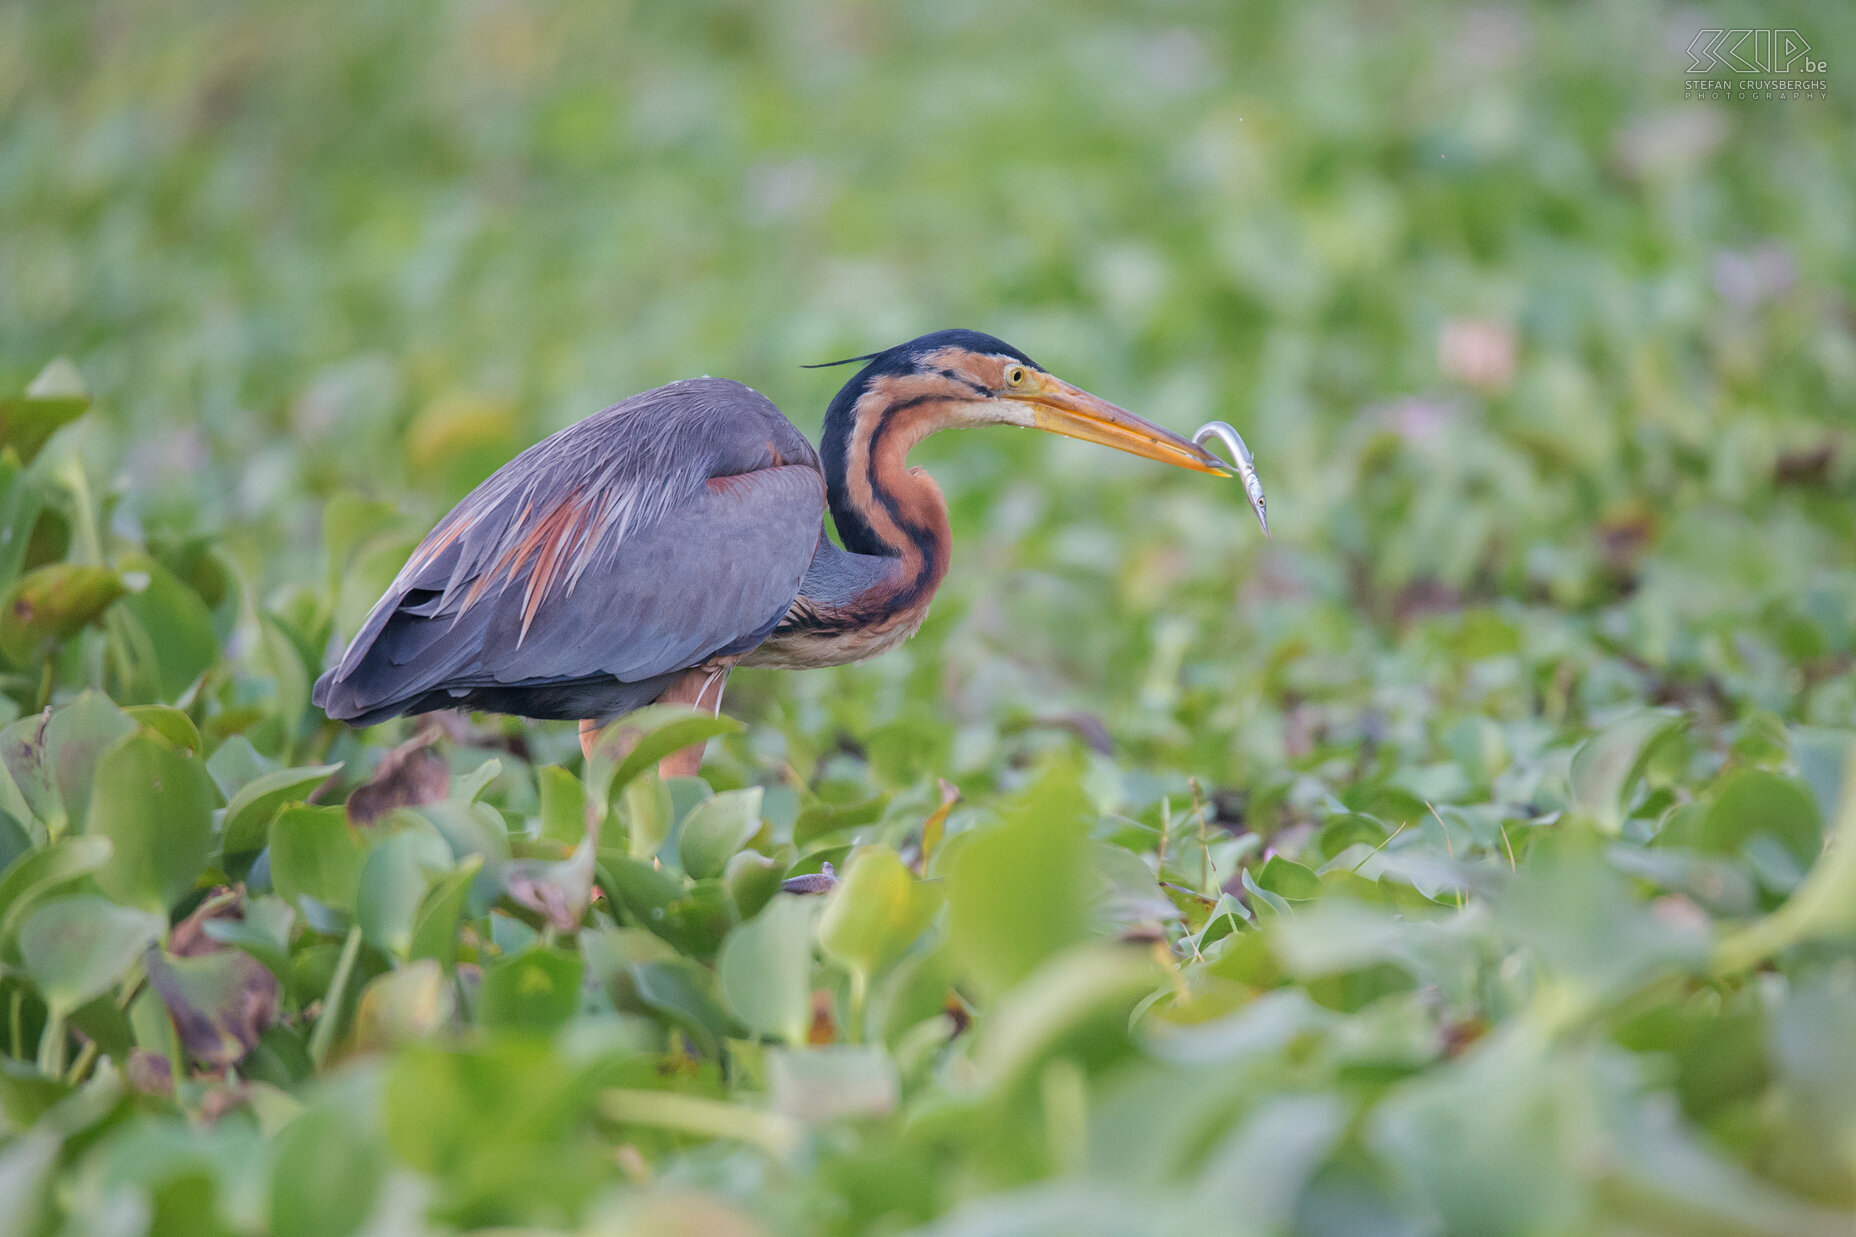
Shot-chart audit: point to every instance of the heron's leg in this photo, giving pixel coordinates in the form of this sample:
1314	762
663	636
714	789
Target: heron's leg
700	688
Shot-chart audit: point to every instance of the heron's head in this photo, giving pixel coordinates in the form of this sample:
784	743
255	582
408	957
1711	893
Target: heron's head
967	378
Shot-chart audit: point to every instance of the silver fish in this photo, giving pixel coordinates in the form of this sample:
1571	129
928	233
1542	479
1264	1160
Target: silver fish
1241	459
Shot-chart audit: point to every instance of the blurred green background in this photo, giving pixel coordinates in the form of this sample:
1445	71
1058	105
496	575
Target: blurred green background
1550	372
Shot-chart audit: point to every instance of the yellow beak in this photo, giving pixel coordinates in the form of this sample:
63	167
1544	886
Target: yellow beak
1060	408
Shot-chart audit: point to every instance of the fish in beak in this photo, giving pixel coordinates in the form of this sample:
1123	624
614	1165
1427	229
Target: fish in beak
1060	408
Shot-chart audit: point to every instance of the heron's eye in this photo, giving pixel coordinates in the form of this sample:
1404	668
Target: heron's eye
1015	375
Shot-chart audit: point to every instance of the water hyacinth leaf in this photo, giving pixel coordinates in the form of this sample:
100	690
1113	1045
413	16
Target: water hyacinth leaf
171	724
26	1170
248	817
684	994
155	805
52	400
176	622
936	825
75	738
613	953
877	911
235	763
403	1005
765	970
837	1082
751	879
435	927
474	829
393	883
29	881
641	889
563	804
715	829
262	930
466	789
22	498
77	947
661	729
1021	891
221	1002
348	520
648	814
558	891
1606	767
537	990
315	853
1484	1143
22	747
1289	880
1824	758
283	657
1079	1000
327	1175
48	605
1587	929
822	820
15	839
1753	802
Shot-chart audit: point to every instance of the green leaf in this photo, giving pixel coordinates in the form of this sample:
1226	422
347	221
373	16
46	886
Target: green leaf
326	1177
263	932
77	947
28	881
685	994
716	828
235	763
155	804
877	911
176	621
563	804
248	817
435	927
403	1005
822	820
22	747
765	970
1021	891
76	737
662	729
1751	802
15	839
348	520
537	990
648	814
558	891
467	788
838	1082
751	879
1607	766
48	605
284	659
22	498
1288	879
52	401
393	883
314	853
171	724
221	1002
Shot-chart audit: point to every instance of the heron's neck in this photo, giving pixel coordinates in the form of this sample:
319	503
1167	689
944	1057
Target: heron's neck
880	505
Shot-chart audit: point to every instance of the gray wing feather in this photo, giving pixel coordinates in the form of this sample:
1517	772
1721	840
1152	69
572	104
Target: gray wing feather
652	535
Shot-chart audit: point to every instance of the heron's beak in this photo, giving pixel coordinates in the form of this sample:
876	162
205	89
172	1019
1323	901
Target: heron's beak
1060	408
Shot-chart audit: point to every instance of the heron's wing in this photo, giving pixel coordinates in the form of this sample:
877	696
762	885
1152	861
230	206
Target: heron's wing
664	531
